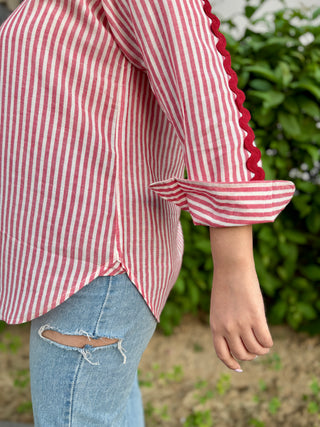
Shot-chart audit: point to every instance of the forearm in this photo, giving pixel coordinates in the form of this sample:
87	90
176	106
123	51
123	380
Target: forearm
232	247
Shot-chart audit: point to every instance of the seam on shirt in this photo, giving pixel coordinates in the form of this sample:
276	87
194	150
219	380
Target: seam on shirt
118	225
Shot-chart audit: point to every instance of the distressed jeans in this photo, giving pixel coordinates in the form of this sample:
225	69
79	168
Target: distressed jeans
91	386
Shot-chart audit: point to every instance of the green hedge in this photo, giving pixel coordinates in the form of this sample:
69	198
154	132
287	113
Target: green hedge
279	71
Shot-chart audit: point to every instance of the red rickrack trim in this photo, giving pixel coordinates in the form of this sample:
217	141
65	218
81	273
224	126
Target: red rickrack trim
252	162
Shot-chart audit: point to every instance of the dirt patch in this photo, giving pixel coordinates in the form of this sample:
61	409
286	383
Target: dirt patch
183	382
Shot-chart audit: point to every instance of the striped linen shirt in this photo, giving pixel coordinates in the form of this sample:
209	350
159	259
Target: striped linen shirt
104	104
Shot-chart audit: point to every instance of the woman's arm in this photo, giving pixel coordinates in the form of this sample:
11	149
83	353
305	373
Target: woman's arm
237	315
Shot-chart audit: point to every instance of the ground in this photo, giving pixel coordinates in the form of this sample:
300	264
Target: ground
184	383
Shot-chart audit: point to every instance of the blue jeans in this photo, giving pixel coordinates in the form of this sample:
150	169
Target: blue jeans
91	386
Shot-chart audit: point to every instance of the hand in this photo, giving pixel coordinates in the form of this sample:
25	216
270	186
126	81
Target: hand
237	315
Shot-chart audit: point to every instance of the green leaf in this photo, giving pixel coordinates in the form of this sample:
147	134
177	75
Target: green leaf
316	13
291	105
296	236
243	79
289	123
308	85
278	311
256	422
249	11
263	71
274	405
306	187
231	41
260	84
277	41
280	163
313	407
315	386
299	56
270	99
282	147
313	221
312	150
309	107
268	166
284	274
273	99
285	74
301	283
306	310
204	246
267	234
312	272
180	285
264	117
301	203
194	295
269	283
289	251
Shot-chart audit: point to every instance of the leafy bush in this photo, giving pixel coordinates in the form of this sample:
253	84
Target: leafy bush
279	71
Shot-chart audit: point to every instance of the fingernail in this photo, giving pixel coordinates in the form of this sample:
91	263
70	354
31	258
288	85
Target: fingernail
238	370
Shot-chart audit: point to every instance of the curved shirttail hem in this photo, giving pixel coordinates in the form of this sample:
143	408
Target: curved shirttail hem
90	272
252	162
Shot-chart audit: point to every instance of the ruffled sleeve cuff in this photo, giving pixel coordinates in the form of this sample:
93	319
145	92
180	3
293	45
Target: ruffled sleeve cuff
227	204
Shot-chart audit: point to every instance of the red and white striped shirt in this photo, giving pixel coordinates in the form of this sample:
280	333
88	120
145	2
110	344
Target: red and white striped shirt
103	104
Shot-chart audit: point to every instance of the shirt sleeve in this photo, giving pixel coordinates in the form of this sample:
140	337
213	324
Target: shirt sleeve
179	45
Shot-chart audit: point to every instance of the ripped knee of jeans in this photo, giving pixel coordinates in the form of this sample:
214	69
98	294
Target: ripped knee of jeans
81	341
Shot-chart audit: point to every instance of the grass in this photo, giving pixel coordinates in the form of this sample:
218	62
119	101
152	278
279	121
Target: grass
10	343
272	361
266	397
199	419
312	400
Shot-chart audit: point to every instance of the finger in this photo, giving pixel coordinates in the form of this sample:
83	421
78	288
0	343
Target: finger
223	353
238	349
263	335
252	345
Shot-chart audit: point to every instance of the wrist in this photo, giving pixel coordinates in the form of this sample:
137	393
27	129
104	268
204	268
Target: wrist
230	263
232	248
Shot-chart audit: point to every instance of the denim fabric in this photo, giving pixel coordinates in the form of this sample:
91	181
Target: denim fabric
91	386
